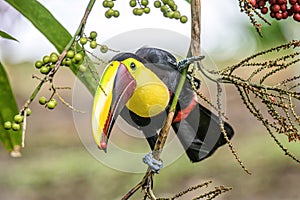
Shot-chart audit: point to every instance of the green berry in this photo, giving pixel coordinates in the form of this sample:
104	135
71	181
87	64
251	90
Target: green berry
67	62
171	3
18	118
138	11
93	35
42	100
164	9
63	62
78	57
144	2
54	101
82	68
93	44
108	4
54	54
83	40
103	48
170	14
104	4
147	10
165	1
38	64
109	13
176	15
174	7
45	69
28	112
7	125
116	13
54	58
132	3
183	19
15	126
70	54
157	4
46	59
51	104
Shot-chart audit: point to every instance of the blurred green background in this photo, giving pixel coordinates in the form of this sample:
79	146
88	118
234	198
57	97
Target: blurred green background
55	164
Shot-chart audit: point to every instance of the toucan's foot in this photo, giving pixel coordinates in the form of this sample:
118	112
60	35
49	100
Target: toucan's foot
154	164
186	62
196	81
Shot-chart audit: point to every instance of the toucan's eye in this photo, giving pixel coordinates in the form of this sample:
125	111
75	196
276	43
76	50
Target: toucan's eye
132	66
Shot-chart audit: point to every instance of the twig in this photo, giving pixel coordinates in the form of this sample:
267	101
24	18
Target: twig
194	51
24	128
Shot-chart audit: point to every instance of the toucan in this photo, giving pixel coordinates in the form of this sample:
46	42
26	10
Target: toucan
140	87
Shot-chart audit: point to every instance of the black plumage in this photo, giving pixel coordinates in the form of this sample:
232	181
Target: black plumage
199	133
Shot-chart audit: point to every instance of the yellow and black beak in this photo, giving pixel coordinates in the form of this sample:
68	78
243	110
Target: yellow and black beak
115	89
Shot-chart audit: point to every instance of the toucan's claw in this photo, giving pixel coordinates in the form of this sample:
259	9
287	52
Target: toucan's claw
196	81
154	164
185	63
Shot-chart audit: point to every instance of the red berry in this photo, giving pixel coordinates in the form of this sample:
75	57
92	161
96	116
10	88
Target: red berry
280	2
272	2
264	10
261	3
272	14
278	16
253	2
275	8
297	17
285	15
283	7
298	1
296	8
292	2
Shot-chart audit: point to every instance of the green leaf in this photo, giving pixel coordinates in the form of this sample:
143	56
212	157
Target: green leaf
7	36
8	108
46	23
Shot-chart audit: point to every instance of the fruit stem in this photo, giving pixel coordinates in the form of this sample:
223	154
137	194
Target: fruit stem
78	33
49	77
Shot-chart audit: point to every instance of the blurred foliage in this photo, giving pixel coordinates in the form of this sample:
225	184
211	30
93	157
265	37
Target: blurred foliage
271	35
8	108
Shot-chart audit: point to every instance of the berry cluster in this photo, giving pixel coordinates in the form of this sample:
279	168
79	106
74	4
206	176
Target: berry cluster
169	10
15	125
93	43
47	63
51	104
73	57
140	7
110	12
279	9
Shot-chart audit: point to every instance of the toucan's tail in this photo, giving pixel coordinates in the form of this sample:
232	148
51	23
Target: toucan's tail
200	133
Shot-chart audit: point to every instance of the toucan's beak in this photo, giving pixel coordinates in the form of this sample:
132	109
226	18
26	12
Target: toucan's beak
116	87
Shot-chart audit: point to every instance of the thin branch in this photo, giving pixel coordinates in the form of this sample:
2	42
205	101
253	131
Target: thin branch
194	51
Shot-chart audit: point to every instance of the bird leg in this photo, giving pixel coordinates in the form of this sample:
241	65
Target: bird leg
154	164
